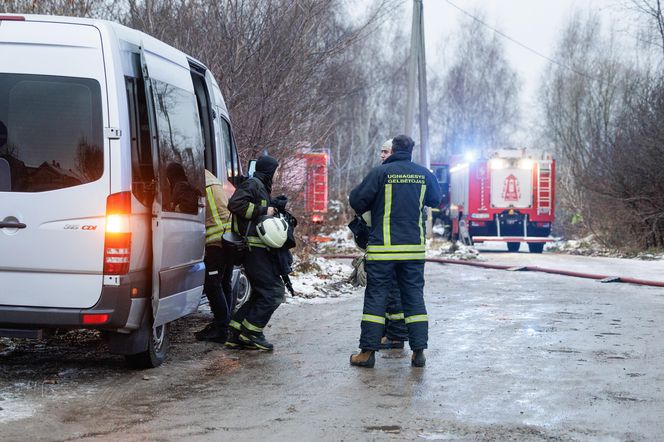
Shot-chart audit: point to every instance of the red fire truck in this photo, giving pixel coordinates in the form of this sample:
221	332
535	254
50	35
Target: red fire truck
315	185
507	195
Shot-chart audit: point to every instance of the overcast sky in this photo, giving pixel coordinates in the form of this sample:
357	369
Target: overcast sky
534	23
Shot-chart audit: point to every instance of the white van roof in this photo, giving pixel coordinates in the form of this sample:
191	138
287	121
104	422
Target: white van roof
126	34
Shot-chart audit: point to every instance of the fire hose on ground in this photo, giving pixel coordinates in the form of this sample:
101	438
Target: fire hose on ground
601	278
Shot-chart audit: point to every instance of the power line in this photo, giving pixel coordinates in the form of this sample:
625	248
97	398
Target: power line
524	46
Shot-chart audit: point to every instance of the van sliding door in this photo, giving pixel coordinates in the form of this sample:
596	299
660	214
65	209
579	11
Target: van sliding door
178	211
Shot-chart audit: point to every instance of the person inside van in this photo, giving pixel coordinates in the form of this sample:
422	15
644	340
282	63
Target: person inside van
184	198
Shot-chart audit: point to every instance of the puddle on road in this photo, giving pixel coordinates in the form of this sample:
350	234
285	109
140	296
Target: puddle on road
393	429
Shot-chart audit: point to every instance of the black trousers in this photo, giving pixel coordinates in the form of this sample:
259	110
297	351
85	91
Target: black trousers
395	326
267	291
410	281
217	287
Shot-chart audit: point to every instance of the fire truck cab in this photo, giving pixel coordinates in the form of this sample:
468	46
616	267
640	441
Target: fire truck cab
506	195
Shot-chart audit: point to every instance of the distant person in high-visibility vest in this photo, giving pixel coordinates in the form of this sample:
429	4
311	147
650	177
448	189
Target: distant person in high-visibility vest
395	192
218	262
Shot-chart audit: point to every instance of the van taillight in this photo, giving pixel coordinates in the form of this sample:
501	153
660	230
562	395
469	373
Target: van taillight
12	17
117	241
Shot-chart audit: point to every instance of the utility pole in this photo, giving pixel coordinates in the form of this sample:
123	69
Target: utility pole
417	68
417	62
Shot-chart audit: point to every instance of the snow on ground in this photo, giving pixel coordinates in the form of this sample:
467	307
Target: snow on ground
327	282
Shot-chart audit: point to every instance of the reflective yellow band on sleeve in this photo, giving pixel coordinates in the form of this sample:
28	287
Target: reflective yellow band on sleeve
255	241
373	318
394	316
249	326
395	256
416	318
423	190
250	211
396	248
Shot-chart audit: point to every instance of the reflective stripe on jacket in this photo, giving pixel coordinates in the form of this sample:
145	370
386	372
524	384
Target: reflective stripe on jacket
217	215
249	202
396	193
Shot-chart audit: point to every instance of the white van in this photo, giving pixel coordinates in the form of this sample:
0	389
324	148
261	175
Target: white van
104	136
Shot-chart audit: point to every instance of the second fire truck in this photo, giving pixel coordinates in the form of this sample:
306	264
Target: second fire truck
507	195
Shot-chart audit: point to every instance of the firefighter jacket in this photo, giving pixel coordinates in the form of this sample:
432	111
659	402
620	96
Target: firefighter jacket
249	202
217	216
396	193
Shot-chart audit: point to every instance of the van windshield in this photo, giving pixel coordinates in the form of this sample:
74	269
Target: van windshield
51	132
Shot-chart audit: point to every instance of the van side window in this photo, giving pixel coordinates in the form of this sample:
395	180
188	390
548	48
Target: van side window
142	175
51	131
230	154
181	148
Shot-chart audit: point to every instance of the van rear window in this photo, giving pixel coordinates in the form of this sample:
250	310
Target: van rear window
51	132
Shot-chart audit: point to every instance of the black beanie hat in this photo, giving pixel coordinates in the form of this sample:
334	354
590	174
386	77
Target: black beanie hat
266	164
402	143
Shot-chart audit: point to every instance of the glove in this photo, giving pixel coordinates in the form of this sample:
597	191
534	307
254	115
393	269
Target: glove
279	202
359	276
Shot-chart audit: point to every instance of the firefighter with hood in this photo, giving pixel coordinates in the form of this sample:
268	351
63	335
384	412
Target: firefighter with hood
395	193
254	218
218	262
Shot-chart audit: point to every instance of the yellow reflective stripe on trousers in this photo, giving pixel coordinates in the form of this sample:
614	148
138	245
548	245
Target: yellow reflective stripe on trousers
236	325
395	256
373	318
416	318
250	211
387	213
423	190
394	316
249	326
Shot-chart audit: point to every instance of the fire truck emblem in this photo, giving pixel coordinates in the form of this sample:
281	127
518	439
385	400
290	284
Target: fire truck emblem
511	191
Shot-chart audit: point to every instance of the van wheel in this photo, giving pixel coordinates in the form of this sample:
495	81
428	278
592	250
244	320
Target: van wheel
242	289
513	247
156	352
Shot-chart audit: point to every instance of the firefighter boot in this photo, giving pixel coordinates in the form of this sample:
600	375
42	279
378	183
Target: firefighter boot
387	344
365	358
255	342
418	359
212	332
233	340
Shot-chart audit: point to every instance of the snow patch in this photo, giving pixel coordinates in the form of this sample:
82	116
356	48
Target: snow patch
13	408
329	284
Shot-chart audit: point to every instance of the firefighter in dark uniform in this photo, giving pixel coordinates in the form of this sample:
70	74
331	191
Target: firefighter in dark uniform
395	193
250	202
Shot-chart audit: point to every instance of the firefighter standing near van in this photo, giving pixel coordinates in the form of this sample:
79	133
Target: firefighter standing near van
395	193
249	204
218	265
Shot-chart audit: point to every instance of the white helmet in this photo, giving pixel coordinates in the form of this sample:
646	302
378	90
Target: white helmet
273	231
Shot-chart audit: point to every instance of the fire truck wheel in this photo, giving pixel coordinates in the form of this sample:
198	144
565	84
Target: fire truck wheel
513	247
536	247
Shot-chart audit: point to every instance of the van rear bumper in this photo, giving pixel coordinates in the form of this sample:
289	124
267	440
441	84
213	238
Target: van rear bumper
123	310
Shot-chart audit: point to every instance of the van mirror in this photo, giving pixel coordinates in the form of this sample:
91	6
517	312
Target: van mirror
251	168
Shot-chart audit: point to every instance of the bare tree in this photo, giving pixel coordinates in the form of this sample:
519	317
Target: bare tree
650	11
478	105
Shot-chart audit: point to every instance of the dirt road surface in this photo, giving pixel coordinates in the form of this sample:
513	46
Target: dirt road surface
513	356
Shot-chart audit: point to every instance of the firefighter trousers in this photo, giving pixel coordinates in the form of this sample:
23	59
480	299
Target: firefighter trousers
410	280
267	292
217	286
395	327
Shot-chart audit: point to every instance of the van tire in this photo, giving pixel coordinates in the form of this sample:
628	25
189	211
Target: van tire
156	352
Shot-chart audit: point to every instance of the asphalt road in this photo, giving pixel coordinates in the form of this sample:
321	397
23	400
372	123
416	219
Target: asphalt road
513	356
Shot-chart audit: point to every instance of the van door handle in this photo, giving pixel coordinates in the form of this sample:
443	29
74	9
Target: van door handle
6	225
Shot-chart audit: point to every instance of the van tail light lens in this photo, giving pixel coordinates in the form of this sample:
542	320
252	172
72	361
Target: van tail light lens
12	17
95	319
117	240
